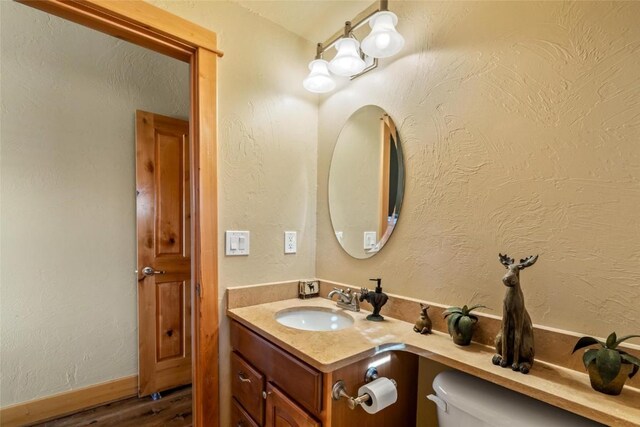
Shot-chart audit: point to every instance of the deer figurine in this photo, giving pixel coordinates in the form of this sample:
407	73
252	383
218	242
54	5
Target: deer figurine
423	324
514	342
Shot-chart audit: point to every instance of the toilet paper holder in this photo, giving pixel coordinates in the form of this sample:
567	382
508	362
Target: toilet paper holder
339	390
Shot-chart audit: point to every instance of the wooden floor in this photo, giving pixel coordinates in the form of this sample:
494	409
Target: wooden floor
173	410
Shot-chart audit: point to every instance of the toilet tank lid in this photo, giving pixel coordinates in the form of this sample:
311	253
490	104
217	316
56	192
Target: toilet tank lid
499	406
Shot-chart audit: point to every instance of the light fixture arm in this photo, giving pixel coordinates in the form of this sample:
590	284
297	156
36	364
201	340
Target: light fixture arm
347	29
351	26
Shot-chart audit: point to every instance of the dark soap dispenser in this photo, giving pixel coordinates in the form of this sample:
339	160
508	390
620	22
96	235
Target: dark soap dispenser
377	299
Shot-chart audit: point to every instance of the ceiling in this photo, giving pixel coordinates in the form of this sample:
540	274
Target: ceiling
314	20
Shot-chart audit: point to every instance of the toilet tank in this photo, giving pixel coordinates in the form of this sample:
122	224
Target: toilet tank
467	401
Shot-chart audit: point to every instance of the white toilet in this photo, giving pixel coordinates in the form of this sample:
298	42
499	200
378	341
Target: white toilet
467	401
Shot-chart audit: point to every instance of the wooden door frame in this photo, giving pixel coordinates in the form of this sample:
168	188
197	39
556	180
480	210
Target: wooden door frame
385	159
156	29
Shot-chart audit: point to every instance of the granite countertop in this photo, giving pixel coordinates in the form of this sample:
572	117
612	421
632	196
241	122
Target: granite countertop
331	350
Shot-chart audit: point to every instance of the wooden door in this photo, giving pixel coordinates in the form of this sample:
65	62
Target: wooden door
164	252
283	412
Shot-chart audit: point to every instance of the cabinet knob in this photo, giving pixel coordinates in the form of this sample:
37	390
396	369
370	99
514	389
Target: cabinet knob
243	377
265	394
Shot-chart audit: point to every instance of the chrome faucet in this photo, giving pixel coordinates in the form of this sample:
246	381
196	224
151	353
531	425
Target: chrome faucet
346	299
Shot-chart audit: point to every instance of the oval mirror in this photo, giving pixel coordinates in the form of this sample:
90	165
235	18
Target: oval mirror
366	182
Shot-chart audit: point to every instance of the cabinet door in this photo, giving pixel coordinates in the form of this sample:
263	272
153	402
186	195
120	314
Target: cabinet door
283	412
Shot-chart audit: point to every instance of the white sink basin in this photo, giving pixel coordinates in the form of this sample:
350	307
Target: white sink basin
314	319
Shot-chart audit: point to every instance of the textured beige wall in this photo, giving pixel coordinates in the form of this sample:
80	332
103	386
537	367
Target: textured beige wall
521	124
267	150
68	216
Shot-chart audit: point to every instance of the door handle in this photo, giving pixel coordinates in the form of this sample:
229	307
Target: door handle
243	377
149	271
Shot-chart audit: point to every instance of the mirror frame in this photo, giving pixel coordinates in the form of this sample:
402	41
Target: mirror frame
148	26
395	138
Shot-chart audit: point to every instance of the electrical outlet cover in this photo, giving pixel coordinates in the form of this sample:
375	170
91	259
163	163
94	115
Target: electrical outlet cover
370	239
290	242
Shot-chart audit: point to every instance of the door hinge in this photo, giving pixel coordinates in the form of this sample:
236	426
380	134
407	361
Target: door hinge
198	292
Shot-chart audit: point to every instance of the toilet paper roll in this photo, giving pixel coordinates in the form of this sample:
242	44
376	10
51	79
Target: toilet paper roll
382	392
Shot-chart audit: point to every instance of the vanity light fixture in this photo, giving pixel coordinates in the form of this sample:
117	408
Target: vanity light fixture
347	61
353	60
384	40
319	79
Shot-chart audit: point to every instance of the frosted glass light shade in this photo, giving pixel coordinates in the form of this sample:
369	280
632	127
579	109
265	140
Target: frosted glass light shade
347	61
384	40
319	79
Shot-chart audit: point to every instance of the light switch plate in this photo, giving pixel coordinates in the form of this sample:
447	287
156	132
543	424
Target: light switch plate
290	242
370	239
236	243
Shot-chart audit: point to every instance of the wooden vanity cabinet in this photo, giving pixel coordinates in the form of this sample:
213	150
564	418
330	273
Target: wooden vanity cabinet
286	392
264	375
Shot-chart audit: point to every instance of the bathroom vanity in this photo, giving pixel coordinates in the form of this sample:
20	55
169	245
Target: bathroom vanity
272	387
284	376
